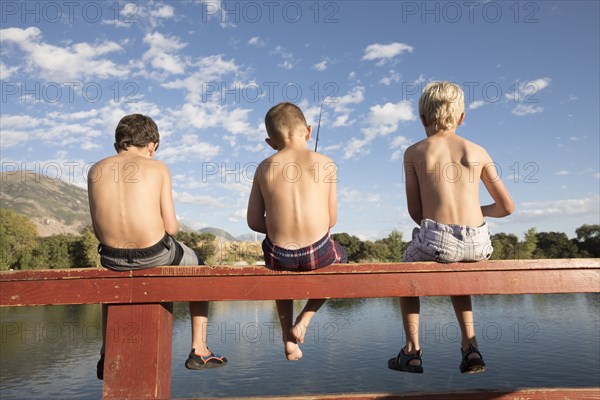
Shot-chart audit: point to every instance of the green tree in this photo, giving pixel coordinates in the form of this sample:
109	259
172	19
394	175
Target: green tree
554	245
89	244
374	251
588	240
203	244
527	247
505	246
395	246
17	239
55	252
352	244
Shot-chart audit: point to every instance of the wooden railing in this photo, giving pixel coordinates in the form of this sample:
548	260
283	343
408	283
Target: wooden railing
143	299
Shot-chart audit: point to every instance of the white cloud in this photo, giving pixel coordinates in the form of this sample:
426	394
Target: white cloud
206	78
256	42
526	91
341	120
539	210
391	77
164	11
355	147
352	76
401	143
187	198
562	172
188	148
287	57
526	109
354	196
476	104
384	52
341	104
73	62
6	72
162	53
322	66
384	119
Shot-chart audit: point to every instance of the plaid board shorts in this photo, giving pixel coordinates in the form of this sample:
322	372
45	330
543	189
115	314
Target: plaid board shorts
324	252
434	241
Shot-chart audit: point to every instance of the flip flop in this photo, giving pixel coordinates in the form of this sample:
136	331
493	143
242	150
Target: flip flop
401	362
197	362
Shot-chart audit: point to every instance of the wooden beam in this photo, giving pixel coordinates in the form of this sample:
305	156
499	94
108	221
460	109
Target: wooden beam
168	284
519	394
137	362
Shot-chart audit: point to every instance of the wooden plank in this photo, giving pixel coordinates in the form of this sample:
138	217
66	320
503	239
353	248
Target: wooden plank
138	351
380	268
155	289
518	394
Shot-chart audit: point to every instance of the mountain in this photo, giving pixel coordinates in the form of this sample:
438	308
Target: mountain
221	235
53	205
251	237
56	206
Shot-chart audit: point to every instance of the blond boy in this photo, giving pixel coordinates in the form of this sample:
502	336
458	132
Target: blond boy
443	173
293	201
133	216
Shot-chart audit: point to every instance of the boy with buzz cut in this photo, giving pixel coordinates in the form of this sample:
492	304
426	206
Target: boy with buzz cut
133	217
296	189
442	189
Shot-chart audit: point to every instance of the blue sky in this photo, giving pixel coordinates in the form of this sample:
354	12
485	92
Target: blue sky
207	72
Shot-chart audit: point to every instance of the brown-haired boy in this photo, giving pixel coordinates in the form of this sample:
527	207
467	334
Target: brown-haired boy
293	201
134	219
443	173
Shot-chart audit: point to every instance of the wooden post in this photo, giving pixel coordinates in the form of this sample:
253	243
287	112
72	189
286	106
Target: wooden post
137	361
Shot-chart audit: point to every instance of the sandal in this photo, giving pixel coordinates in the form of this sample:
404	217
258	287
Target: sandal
471	365
212	360
401	362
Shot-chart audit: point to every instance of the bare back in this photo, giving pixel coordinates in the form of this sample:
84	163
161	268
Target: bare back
130	201
443	173
298	191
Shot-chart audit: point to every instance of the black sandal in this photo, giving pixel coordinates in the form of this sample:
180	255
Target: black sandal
471	365
401	362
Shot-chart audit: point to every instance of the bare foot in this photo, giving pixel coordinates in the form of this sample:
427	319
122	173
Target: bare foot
298	332
292	351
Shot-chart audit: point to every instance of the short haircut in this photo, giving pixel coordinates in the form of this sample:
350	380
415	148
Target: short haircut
283	120
135	130
442	103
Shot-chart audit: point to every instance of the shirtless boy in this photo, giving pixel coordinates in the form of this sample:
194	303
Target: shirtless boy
296	189
442	189
133	216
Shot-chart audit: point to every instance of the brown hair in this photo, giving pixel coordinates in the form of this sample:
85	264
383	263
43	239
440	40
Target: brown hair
283	119
135	130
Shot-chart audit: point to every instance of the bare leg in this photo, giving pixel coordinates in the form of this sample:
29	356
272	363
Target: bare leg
285	310
411	306
104	319
299	329
199	316
464	315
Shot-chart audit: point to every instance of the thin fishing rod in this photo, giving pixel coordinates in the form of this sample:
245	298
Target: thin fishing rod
319	126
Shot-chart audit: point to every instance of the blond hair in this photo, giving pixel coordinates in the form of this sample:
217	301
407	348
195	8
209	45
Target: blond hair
442	104
283	120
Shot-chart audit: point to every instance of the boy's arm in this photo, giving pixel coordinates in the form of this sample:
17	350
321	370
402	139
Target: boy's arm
413	193
503	204
91	176
256	208
167	205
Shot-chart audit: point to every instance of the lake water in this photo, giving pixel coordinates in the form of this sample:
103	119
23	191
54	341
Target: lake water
527	341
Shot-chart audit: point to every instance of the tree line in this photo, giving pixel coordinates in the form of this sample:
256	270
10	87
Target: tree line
21	248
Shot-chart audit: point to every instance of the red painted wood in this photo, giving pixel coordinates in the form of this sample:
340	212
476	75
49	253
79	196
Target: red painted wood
500	265
138	351
523	394
167	284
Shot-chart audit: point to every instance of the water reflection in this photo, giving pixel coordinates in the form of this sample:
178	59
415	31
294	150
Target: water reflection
527	341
